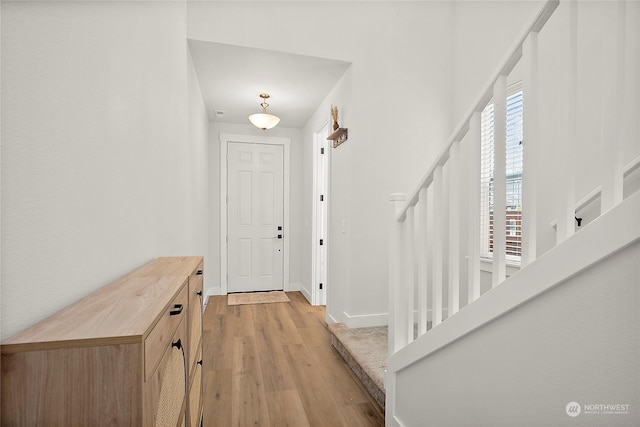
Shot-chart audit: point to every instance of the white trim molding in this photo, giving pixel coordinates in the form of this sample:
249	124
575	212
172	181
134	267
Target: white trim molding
318	297
331	319
225	139
292	287
365	320
211	292
305	292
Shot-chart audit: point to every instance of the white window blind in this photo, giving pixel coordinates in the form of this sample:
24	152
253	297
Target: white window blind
514	177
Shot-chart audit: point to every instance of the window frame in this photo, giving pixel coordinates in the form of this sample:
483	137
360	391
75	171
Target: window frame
486	254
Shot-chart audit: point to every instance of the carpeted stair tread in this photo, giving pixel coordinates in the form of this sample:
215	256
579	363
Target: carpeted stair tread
365	351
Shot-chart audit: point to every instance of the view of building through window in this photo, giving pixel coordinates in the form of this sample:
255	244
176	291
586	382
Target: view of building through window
514	176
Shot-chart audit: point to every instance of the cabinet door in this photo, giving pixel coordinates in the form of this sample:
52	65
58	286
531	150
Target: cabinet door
166	389
195	394
195	314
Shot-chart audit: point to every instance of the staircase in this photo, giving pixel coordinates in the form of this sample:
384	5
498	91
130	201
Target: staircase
498	341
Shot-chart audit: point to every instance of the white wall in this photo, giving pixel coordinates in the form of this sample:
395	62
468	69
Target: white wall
578	342
198	169
1	305
212	271
103	149
398	114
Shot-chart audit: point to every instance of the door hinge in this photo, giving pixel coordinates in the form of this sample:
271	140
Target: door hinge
322	150
322	197
321	242
320	285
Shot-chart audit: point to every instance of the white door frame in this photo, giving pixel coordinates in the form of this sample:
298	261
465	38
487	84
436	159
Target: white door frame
318	297
225	139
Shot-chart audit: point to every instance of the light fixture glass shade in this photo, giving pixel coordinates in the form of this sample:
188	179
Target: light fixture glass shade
264	121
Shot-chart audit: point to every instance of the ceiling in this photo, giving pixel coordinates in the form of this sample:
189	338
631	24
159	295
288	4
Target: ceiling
232	78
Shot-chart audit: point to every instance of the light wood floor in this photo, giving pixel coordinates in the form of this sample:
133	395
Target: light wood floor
274	365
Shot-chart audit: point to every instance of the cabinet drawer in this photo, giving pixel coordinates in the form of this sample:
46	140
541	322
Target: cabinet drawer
156	342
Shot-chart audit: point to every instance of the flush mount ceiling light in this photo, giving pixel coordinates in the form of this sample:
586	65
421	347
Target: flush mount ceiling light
264	120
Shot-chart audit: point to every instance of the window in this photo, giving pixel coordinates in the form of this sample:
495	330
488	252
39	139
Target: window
514	177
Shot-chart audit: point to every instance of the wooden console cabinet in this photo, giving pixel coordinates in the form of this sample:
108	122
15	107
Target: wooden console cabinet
129	354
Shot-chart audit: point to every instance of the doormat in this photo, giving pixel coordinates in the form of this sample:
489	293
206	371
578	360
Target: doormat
257	298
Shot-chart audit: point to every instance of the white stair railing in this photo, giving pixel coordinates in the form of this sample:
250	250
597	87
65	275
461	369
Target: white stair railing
435	232
424	228
427	246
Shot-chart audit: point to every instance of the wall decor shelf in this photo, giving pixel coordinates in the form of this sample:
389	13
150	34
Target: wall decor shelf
339	136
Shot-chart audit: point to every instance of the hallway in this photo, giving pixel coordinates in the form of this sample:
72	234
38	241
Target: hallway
273	365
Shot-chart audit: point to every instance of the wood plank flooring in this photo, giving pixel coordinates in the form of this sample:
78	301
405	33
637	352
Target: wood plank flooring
274	365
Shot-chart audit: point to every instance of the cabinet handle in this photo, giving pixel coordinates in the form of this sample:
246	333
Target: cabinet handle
177	309
200	362
199	273
177	344
199	293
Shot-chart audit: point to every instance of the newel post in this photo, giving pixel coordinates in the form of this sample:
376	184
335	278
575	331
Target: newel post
396	340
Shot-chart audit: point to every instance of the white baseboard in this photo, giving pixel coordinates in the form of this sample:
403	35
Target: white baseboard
331	319
212	291
292	287
365	320
306	293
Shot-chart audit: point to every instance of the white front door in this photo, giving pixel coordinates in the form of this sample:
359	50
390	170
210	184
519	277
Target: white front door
255	217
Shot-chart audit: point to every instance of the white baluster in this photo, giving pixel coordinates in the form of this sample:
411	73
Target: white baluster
396	340
454	229
473	238
423	260
499	181
613	50
530	148
631	106
431	235
632	73
443	212
567	102
409	273
437	245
